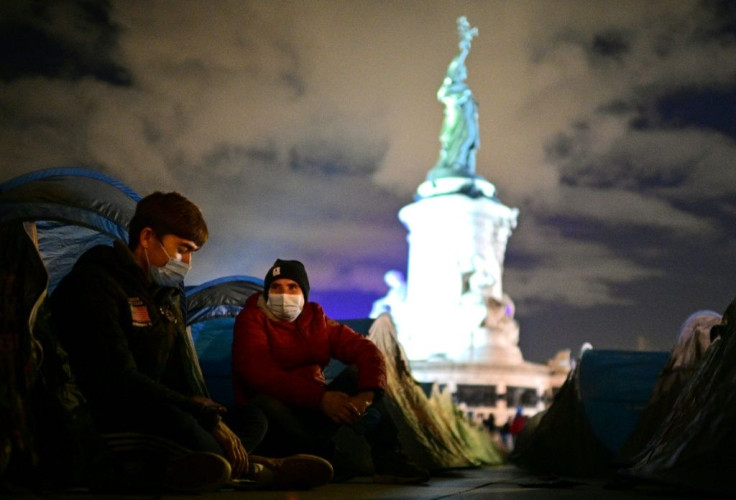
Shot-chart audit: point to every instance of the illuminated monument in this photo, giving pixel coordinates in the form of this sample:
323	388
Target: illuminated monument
453	319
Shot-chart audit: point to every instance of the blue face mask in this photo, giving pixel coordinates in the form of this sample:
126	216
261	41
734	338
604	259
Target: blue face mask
170	274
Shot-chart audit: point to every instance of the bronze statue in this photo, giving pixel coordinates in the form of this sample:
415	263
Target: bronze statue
459	134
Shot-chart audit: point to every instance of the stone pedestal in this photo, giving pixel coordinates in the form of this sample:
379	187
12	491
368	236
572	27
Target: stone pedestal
456	245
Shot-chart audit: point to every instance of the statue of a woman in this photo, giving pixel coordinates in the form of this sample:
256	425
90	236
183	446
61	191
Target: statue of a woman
459	134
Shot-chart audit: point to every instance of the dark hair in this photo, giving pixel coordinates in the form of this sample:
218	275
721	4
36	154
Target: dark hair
168	213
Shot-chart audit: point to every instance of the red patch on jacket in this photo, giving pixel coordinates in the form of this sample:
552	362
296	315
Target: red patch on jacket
139	312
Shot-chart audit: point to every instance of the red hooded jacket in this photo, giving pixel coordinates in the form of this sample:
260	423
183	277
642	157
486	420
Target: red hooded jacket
285	360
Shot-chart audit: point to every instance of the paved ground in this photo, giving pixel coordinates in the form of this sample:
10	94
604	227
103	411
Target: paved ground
499	483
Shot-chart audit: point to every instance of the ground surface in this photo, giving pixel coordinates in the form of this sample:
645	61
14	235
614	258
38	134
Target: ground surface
499	483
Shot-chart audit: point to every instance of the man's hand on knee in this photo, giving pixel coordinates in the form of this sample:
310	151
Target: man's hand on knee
233	448
337	406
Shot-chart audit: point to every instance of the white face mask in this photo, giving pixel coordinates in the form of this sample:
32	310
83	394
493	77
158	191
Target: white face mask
285	306
170	274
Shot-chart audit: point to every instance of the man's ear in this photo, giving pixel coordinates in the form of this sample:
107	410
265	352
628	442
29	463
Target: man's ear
146	237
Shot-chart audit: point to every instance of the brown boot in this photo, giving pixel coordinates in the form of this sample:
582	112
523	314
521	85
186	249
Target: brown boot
197	472
296	472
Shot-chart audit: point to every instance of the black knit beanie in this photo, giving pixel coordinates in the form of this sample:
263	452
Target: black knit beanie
287	269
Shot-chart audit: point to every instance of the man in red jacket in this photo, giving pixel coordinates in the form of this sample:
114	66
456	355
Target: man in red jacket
281	345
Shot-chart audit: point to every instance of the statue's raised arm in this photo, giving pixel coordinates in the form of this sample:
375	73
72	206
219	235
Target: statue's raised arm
459	134
466	34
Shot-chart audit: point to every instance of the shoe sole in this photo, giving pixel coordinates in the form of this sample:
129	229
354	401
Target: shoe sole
197	472
302	472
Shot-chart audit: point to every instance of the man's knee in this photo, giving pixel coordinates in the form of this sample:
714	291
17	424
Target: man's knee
270	406
346	381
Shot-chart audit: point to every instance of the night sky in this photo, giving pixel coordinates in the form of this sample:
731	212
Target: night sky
302	127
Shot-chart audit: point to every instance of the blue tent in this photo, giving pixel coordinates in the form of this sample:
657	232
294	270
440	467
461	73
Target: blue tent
73	209
615	387
212	308
592	415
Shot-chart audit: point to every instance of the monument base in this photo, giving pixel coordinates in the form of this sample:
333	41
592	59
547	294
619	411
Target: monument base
474	187
484	389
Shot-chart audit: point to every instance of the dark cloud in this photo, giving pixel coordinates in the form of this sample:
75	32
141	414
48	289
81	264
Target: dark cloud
600	47
327	159
68	40
646	158
616	106
290	74
609	44
622	170
237	157
723	22
708	108
718	210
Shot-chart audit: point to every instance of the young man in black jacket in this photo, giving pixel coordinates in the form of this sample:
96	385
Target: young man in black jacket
120	315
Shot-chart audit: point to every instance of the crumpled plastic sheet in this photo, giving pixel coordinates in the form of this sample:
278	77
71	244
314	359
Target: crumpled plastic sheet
432	430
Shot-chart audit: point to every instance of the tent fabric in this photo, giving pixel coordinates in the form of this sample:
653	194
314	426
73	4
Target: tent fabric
46	436
222	297
591	416
211	311
74	209
73	195
213	340
560	440
615	387
695	446
61	244
430	429
47	219
692	344
23	281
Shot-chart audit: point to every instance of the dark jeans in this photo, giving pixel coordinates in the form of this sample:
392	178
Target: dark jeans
302	430
171	422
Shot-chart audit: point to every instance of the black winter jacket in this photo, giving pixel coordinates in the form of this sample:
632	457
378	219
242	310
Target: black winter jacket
126	337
